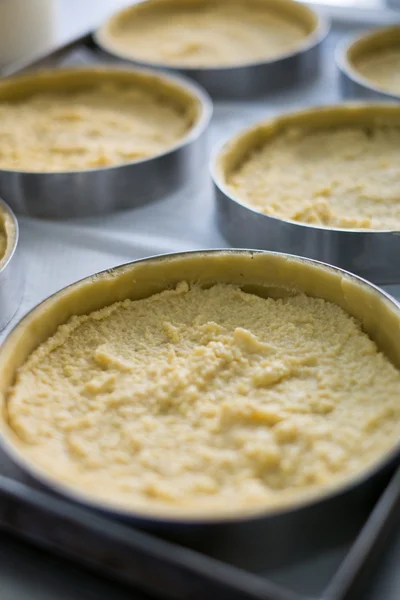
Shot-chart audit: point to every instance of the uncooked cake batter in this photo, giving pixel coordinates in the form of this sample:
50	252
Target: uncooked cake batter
202	34
206	400
101	126
382	69
346	177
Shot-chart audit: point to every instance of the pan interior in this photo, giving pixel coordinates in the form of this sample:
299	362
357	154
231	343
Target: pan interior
240	147
117	35
360	139
265	274
80	119
376	58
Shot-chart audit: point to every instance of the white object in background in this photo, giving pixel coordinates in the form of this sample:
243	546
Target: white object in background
76	17
26	27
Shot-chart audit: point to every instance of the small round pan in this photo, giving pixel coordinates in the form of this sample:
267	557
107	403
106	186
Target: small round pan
349	53
11	274
241	80
96	191
368	253
265	273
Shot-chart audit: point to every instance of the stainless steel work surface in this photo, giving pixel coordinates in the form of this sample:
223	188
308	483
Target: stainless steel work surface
57	253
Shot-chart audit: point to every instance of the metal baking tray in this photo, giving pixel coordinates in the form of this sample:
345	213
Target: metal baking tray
207	566
243	563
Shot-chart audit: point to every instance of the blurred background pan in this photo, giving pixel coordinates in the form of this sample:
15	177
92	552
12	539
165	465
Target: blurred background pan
351	54
241	80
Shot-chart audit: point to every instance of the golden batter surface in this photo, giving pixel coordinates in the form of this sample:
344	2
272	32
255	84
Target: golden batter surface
205	34
382	69
347	177
207	399
103	125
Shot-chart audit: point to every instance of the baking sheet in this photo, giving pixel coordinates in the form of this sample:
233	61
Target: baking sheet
58	253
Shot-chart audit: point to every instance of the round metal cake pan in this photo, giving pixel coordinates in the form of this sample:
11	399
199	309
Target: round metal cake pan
244	80
91	192
354	84
263	273
11	272
368	253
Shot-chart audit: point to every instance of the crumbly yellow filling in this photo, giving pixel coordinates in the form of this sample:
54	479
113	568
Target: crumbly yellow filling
346	177
206	34
100	126
207	399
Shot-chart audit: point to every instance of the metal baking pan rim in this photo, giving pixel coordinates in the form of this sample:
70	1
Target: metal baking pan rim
388	461
312	40
221	185
346	68
10	253
11	275
195	132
